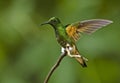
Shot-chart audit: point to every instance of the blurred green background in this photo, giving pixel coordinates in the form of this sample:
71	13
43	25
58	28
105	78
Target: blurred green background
28	51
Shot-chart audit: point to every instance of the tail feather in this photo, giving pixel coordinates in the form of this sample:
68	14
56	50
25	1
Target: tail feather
82	61
72	51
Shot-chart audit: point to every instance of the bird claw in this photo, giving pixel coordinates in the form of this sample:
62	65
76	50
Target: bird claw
75	56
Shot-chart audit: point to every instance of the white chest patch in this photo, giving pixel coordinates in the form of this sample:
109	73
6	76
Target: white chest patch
69	50
69	47
63	50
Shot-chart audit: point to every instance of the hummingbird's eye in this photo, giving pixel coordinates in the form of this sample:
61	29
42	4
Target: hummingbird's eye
54	21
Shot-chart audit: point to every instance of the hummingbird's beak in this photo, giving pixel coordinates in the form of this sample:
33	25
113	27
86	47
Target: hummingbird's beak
44	23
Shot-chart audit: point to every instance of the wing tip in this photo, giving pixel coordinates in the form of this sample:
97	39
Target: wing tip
105	20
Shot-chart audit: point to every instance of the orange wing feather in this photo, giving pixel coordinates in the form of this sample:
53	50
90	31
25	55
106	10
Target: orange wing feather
88	27
72	32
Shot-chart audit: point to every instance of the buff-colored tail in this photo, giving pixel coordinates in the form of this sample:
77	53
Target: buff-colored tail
82	61
72	51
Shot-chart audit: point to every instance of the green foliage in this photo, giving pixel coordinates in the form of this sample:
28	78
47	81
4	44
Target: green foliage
27	51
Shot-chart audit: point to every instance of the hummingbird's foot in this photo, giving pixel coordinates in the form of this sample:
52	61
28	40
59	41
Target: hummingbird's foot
69	50
74	56
78	56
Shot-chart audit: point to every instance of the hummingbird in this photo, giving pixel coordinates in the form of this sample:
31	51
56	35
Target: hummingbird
67	35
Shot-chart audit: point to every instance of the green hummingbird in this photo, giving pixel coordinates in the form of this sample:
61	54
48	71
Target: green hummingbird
67	35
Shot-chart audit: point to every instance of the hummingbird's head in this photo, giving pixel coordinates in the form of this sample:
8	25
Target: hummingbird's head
52	21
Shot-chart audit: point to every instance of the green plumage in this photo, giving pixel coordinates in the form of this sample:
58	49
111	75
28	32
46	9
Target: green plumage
62	36
67	35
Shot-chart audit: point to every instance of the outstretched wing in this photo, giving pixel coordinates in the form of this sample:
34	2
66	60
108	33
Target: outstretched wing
88	26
